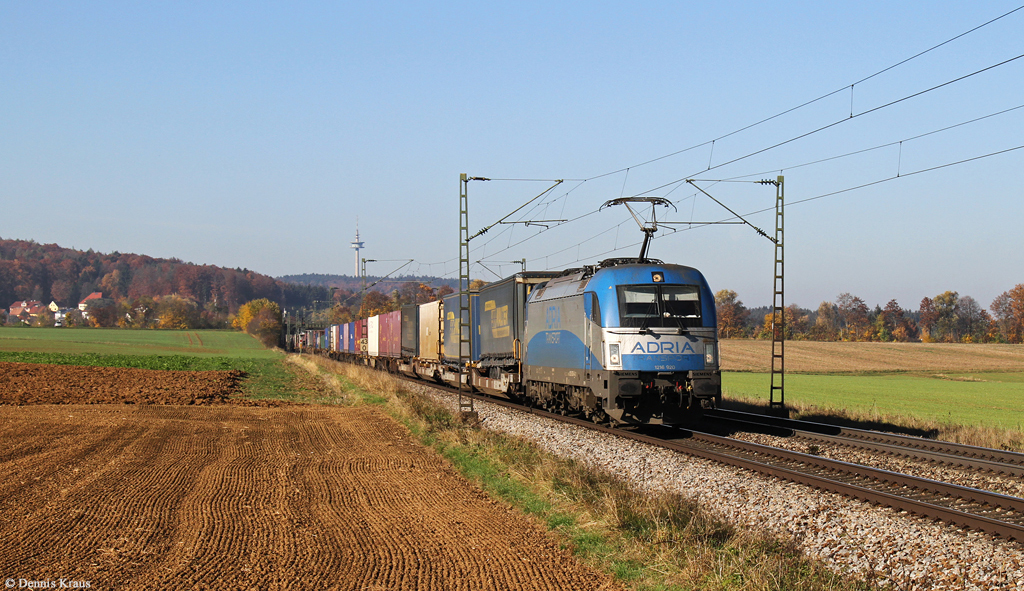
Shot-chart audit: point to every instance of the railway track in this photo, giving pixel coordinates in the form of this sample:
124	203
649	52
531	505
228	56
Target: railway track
915	448
994	513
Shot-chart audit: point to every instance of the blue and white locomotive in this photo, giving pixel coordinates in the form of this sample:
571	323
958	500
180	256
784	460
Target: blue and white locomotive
626	341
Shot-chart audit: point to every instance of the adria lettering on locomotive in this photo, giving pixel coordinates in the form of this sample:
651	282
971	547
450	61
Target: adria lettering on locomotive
625	341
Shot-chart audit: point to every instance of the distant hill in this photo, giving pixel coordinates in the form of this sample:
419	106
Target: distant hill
45	272
355	284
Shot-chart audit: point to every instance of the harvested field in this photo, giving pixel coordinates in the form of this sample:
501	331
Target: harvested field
821	357
223	496
34	383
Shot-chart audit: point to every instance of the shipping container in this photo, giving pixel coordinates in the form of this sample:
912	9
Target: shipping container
501	317
335	337
431	331
452	327
373	336
391	334
410	330
360	336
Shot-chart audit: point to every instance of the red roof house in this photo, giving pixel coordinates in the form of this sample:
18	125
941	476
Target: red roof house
25	310
96	295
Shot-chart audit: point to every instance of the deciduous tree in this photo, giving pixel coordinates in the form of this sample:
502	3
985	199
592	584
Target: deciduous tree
102	313
261	318
947	321
973	321
177	312
266	326
854	313
828	323
1008	310
731	312
44	318
374	303
927	318
339	315
795	324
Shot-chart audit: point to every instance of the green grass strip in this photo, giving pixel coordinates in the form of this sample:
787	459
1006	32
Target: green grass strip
982	400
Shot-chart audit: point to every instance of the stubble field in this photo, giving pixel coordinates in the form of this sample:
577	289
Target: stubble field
748	355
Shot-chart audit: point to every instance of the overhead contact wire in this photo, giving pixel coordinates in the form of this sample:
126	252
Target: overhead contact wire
812	101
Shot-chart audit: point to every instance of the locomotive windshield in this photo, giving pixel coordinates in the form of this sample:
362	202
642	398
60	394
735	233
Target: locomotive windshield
659	306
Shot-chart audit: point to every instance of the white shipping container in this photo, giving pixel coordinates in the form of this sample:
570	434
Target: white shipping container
373	336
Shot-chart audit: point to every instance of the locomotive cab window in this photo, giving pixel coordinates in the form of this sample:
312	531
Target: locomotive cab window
659	306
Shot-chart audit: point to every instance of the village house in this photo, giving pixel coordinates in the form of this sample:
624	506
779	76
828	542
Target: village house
90	299
59	314
24	310
96	295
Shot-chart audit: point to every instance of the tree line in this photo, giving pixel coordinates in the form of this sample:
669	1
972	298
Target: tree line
138	290
946	318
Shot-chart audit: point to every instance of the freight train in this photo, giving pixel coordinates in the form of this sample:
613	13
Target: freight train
627	341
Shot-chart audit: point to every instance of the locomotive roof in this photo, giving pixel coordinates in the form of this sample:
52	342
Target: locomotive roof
574	281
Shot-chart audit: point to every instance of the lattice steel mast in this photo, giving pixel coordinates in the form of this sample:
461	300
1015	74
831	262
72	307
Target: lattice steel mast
779	306
465	340
778	378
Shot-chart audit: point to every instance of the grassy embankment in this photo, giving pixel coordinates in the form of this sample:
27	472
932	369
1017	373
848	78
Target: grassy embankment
194	350
968	393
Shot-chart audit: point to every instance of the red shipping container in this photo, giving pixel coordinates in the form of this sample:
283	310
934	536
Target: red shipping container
361	336
390	331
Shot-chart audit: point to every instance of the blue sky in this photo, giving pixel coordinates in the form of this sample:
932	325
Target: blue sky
253	134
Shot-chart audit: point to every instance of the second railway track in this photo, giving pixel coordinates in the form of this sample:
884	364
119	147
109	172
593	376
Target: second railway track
916	448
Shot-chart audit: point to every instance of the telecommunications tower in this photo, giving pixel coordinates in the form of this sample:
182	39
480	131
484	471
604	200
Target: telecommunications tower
356	245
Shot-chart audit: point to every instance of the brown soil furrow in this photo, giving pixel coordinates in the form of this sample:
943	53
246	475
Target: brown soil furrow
32	383
230	525
311	449
50	468
122	510
265	498
323	498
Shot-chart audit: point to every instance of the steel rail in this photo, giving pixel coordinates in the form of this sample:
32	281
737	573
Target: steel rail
944	452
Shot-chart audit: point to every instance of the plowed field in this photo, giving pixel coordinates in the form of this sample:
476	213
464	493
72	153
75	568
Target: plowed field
35	383
233	497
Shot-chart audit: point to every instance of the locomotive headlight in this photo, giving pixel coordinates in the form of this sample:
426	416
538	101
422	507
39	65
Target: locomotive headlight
613	354
709	354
